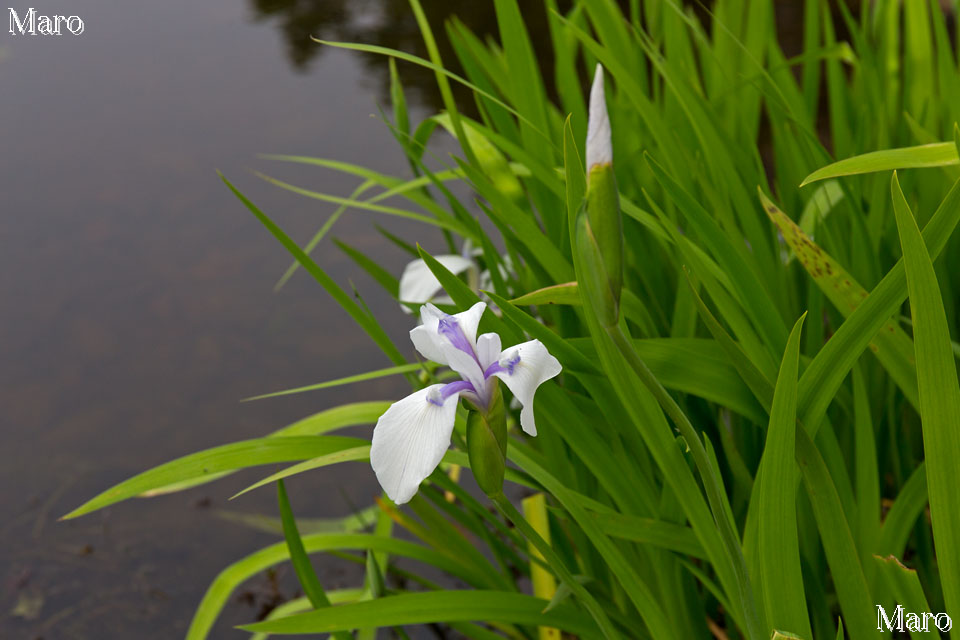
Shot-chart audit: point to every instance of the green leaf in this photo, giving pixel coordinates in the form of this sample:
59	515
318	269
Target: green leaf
347	415
367	323
911	502
905	586
921	157
565	293
429	607
823	376
258	522
891	344
360	377
239	455
384	278
783	593
447	222
299	558
321	233
939	397
218	593
658	533
299	605
754	298
355	454
636	588
867	472
694	365
853	593
561	349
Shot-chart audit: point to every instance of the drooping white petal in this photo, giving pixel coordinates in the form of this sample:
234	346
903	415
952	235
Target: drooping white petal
488	349
429	341
524	368
410	439
418	284
599	149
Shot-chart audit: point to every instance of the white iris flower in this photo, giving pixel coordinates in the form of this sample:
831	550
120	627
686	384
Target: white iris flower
412	435
419	285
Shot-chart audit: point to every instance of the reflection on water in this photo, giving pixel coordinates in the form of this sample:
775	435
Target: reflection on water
391	23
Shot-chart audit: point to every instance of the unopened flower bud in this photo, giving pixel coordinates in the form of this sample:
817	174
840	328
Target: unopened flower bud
592	278
599	240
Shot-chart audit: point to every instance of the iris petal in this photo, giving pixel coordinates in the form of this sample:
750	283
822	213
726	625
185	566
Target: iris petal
410	439
427	337
418	284
488	349
467	367
523	368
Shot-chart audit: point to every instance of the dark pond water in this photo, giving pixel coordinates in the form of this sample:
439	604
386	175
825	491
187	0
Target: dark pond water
136	302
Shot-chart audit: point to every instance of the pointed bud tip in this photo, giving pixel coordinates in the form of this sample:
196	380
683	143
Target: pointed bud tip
599	149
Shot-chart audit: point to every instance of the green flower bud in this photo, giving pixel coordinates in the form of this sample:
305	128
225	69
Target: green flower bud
593	281
487	445
603	211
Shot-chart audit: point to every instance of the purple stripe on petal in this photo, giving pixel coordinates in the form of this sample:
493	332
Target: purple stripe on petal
449	328
511	364
456	387
438	396
492	369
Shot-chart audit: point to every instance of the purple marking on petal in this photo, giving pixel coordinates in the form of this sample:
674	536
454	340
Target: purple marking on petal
449	328
438	396
492	369
434	397
456	387
512	363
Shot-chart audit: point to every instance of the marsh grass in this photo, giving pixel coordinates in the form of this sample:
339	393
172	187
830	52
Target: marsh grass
752	448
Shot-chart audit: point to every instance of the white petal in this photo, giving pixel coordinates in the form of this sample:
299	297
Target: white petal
469	320
599	149
409	441
528	365
488	349
418	284
427	338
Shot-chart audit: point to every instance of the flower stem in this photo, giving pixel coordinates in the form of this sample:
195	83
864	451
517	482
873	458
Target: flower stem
712	483
511	514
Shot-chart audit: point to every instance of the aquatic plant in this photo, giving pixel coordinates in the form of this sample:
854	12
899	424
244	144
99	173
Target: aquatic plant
748	427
